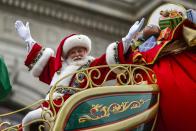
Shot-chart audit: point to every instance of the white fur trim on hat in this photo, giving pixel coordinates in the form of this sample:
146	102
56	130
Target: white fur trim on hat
41	63
77	41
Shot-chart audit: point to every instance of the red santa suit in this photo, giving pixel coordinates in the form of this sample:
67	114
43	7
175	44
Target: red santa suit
49	69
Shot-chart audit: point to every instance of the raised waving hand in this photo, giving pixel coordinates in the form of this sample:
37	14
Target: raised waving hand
24	33
135	28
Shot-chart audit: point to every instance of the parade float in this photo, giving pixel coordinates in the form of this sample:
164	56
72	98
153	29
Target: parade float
132	100
128	103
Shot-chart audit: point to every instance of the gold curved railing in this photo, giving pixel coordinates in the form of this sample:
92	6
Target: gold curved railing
123	74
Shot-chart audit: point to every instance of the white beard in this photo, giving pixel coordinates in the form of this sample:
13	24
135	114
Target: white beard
80	62
68	67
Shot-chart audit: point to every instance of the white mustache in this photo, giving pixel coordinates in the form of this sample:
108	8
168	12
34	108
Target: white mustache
77	57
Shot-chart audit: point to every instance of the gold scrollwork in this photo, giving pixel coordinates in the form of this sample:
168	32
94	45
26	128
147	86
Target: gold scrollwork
10	127
99	111
128	74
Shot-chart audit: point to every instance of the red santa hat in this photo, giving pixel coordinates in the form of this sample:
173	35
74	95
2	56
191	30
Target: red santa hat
67	44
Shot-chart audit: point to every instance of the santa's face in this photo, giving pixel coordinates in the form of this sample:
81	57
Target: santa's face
77	53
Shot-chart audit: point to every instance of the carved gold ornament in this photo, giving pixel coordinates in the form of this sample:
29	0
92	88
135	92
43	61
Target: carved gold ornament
114	108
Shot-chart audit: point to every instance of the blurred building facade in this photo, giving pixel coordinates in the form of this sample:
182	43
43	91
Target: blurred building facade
104	21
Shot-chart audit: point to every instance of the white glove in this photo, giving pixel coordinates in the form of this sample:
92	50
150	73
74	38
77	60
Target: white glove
24	32
135	28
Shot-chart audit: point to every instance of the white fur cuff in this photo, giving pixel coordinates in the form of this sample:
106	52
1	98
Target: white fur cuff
112	54
41	63
112	57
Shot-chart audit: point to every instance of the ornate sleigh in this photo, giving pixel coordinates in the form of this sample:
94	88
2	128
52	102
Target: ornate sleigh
129	102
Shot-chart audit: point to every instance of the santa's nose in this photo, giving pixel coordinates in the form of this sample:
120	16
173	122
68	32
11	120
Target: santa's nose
77	53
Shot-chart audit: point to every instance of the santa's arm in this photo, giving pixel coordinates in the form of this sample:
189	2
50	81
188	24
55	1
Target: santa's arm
115	53
39	60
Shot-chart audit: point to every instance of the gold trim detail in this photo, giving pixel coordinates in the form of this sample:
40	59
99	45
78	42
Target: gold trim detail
69	104
114	108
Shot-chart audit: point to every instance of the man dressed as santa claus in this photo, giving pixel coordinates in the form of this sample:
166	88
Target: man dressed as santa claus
72	55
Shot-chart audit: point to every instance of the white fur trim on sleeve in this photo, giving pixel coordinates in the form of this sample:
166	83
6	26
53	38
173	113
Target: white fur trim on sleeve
111	54
112	57
41	63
